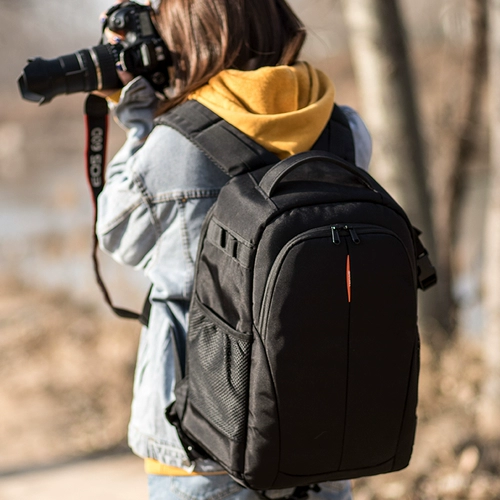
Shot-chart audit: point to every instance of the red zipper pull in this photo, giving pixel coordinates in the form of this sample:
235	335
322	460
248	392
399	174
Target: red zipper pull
348	277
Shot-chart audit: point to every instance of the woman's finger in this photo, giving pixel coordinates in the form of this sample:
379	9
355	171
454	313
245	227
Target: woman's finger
114	37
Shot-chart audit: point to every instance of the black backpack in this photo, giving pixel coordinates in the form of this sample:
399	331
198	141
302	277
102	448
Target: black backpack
302	355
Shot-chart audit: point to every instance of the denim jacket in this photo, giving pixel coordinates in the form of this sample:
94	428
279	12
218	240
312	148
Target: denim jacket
158	190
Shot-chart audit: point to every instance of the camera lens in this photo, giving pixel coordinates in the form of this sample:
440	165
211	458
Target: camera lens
83	71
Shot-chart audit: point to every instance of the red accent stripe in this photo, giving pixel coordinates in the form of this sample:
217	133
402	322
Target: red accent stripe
348	277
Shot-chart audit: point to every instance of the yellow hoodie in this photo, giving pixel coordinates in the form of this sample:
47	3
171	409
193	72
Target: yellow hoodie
284	109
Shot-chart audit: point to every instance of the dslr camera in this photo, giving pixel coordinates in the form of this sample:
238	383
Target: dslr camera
141	52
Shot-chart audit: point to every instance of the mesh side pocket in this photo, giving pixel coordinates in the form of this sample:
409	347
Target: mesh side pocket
218	364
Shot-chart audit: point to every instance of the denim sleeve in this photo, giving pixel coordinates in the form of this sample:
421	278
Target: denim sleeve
361	136
126	225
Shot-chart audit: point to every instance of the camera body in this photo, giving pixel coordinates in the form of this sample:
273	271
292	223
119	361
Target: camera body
141	52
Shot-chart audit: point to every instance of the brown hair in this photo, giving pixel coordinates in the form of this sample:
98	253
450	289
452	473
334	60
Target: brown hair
208	36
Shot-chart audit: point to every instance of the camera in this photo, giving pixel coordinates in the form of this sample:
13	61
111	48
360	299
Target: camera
141	52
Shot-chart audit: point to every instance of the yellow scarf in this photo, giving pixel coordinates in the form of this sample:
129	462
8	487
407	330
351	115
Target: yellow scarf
282	108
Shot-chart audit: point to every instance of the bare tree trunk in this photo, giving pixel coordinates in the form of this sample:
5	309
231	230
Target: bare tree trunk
452	177
489	409
385	80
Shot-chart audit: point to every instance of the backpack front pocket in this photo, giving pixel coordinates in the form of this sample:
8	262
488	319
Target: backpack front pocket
338	325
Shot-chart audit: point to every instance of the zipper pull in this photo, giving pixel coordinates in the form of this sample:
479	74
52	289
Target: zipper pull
354	235
335	235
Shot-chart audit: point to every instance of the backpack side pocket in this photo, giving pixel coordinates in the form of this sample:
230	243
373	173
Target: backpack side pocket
218	366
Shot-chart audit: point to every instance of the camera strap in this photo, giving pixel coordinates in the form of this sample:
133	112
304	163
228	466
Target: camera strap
96	121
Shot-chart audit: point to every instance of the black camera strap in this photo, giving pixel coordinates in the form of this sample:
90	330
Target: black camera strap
96	120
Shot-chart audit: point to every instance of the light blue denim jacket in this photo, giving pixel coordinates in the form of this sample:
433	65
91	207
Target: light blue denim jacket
158	190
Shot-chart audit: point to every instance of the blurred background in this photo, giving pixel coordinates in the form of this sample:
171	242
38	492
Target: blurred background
66	363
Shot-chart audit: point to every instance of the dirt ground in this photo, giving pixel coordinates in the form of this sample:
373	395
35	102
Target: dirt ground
113	477
67	373
66	376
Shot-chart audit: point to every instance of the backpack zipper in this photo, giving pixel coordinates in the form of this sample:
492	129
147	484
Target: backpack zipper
336	234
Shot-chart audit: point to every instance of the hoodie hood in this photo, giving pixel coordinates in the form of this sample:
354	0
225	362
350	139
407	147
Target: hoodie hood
282	108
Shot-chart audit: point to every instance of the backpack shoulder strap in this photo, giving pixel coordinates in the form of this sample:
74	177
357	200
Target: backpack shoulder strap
234	152
337	137
229	148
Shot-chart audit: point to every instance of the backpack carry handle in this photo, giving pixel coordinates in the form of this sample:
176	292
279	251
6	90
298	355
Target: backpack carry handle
275	175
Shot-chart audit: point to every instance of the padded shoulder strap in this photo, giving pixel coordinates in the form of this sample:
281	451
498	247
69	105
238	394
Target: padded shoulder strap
337	137
234	152
230	149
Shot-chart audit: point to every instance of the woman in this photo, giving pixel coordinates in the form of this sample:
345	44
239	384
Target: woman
239	59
